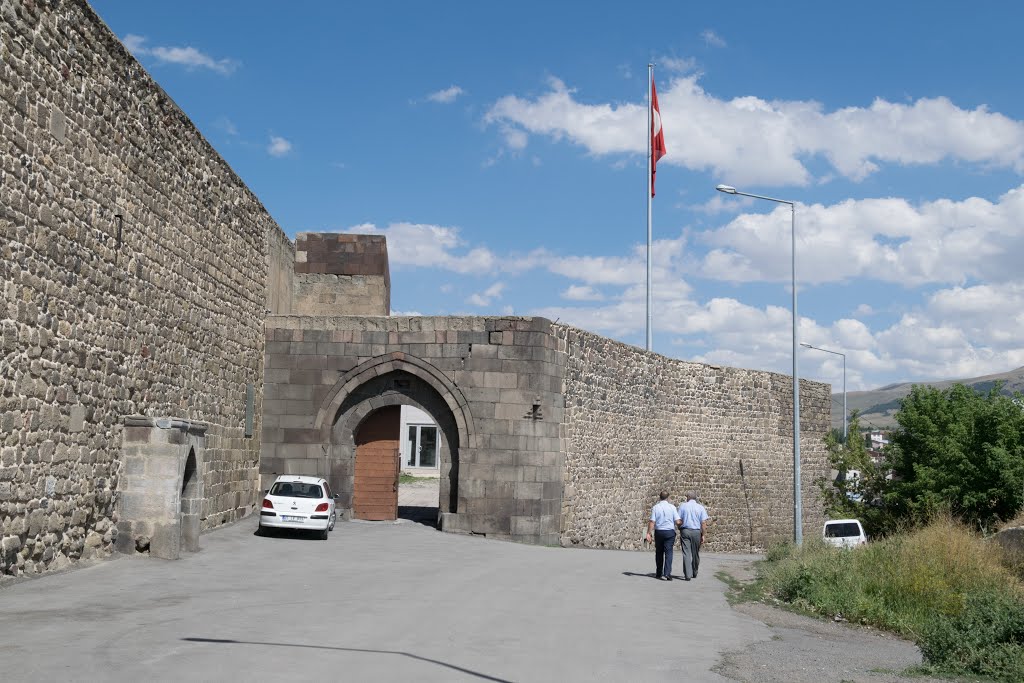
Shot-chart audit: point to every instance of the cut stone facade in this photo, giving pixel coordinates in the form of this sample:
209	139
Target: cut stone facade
337	273
160	493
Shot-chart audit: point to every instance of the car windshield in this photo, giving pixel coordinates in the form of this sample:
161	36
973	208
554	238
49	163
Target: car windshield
296	489
843	530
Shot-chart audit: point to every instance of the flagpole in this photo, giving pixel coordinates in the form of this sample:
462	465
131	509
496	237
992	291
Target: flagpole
650	189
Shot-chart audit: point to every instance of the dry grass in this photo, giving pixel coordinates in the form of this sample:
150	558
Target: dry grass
914	584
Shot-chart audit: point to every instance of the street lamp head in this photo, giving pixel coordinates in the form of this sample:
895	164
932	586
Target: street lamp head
808	346
728	189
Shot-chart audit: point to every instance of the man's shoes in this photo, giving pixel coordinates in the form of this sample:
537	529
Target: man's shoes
668	578
695	575
686	578
661	578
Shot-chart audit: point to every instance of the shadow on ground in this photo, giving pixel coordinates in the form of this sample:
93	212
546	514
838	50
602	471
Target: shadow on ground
425	515
226	641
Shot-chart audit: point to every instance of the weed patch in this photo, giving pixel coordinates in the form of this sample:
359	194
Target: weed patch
941	585
740	591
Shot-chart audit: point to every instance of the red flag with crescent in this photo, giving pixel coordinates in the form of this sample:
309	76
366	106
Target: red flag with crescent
657	135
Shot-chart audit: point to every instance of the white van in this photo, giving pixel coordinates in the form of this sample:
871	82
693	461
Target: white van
844	533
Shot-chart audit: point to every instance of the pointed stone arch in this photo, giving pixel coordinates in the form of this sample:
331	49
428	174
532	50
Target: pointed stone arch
391	362
390	380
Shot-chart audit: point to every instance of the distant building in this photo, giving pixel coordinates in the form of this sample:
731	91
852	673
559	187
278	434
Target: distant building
420	447
878	440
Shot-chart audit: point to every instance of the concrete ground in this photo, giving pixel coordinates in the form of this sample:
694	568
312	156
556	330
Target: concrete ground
386	601
418	500
376	600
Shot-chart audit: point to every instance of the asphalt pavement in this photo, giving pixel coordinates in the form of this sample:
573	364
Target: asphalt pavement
383	601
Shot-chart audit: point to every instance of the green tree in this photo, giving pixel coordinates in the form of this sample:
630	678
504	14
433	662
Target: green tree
959	450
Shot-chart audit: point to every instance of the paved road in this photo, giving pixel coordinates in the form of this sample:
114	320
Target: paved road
376	601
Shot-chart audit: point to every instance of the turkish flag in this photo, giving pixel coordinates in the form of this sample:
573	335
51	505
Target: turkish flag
657	135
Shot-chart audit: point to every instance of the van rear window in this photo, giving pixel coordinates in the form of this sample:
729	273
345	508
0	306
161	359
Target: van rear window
844	530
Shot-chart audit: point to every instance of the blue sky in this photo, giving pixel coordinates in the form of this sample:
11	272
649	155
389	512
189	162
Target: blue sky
501	148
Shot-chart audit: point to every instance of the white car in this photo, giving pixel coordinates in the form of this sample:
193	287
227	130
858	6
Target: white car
298	502
844	533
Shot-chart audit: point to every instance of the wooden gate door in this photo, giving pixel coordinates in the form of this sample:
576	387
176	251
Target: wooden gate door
375	495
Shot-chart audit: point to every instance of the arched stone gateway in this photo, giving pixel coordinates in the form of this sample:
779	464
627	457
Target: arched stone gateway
359	404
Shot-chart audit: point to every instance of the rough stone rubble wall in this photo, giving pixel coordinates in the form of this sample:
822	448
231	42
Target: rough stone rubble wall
166	321
636	422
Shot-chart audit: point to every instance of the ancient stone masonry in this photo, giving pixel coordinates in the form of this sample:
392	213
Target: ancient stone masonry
493	384
163	344
637	422
339	273
134	267
549	434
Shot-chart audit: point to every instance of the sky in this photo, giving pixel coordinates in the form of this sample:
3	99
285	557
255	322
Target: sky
501	148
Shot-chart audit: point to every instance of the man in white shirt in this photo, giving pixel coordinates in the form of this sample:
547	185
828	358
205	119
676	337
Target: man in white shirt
694	520
664	520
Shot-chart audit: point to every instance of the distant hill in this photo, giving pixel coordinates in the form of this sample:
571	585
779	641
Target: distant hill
877	407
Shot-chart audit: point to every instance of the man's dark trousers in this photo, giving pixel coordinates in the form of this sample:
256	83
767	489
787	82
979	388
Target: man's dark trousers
663	543
690	540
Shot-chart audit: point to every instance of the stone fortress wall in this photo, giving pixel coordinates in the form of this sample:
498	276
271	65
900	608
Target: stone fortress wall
134	269
564	437
637	422
138	274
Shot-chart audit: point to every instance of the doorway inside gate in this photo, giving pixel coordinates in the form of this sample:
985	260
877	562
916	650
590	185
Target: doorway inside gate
386	485
375	493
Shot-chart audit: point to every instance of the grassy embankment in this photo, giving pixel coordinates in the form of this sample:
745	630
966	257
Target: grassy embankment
955	594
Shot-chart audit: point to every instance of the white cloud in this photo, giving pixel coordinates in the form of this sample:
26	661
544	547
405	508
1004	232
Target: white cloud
135	44
582	293
189	57
446	96
958	330
890	240
278	146
410	314
678	64
711	38
485	297
748	140
430	246
227	125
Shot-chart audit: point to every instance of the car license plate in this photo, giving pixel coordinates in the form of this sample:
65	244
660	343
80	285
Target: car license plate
286	518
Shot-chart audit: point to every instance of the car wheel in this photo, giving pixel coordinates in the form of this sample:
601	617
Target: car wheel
323	534
260	531
334	518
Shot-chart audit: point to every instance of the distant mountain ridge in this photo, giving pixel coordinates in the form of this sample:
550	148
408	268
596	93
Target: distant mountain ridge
878	406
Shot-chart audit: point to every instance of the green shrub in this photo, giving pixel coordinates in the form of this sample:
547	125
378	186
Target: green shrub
941	585
986	638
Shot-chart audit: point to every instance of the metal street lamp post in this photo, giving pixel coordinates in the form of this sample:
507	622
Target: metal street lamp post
798	532
818	348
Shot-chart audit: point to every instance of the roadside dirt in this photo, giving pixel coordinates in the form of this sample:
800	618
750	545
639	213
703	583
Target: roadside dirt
807	650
